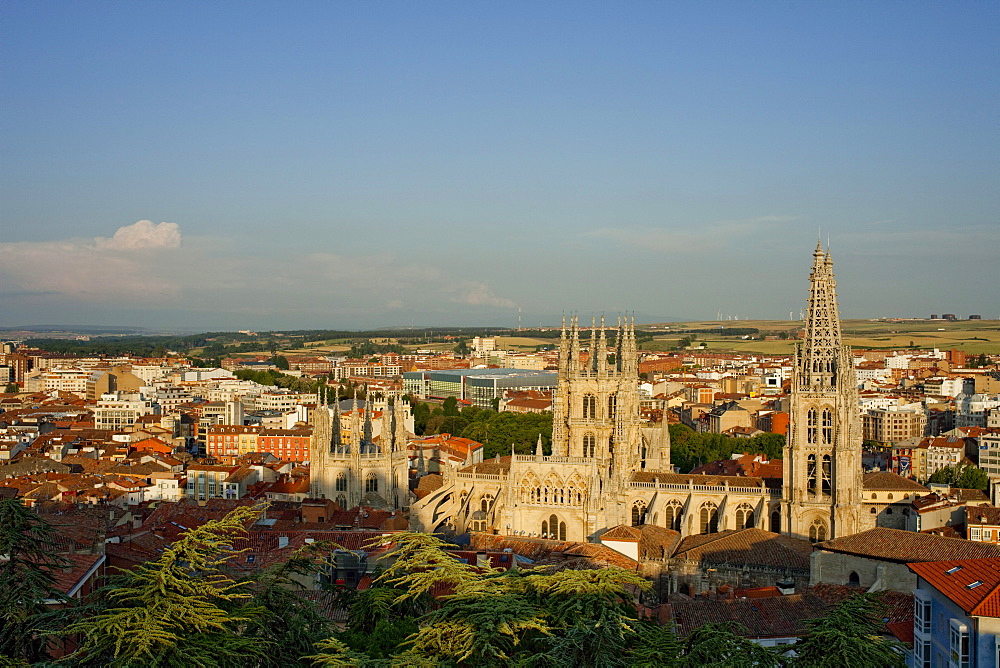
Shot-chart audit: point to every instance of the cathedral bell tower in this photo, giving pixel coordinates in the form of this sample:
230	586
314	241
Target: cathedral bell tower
821	493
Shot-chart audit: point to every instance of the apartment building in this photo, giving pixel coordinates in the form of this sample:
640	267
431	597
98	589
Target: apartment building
120	411
894	424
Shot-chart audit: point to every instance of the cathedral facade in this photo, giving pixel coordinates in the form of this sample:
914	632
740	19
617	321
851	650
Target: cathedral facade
608	467
349	465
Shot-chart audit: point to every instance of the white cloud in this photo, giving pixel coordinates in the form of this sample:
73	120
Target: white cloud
141	235
143	266
476	293
102	271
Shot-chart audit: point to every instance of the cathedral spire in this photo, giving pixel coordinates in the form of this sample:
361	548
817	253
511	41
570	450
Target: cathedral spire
602	347
619	339
592	364
574	349
821	349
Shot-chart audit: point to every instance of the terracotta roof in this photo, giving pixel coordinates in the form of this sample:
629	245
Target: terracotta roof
746	546
884	481
494	466
427	484
982	515
905	546
622	532
973	584
69	579
774	617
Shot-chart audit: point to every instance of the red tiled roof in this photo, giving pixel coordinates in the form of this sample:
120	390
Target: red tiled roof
906	546
746	546
972	584
884	481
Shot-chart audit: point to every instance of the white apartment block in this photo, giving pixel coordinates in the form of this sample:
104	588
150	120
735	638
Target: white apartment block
120	411
945	387
989	455
971	409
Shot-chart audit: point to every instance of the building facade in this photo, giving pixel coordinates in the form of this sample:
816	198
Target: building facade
353	469
821	491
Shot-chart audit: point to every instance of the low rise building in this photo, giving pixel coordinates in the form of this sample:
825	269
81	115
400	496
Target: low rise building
956	613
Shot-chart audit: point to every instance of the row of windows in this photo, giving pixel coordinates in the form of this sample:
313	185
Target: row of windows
708	516
590	406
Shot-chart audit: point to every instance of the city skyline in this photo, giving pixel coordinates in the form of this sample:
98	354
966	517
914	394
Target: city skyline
316	165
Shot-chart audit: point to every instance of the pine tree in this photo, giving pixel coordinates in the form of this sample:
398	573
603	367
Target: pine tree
172	611
28	544
723	645
850	636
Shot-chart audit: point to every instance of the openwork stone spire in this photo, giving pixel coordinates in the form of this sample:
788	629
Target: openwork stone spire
821	350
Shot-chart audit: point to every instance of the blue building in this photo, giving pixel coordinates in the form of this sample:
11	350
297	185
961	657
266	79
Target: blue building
956	614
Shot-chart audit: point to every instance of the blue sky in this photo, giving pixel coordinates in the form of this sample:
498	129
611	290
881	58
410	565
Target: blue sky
345	164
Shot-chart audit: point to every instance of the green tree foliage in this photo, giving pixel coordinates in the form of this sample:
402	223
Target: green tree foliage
450	406
179	610
850	636
28	545
288	621
274	378
569	618
280	361
655	646
723	645
963	476
12	388
689	448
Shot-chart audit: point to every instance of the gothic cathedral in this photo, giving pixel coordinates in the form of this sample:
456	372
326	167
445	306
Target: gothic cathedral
347	465
821	492
608	467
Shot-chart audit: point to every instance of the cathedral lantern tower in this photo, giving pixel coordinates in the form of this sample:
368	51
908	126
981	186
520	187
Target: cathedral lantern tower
821	493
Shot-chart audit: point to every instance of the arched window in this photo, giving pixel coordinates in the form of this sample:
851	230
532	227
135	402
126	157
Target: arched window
709	516
554	528
486	502
638	513
811	420
342	501
371	483
589	407
612	405
341	482
827	426
589	445
889	497
545	529
776	521
744	516
562	531
672	515
853	579
888	511
811	474
874	512
827	475
817	531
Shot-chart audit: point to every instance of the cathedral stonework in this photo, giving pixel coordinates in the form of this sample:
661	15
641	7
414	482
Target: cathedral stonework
349	466
821	493
609	468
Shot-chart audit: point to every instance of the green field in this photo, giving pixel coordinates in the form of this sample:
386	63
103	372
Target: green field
971	336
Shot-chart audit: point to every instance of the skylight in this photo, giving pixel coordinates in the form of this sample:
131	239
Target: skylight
953	570
973	585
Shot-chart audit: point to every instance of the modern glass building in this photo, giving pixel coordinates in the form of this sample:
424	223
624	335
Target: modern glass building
478	386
